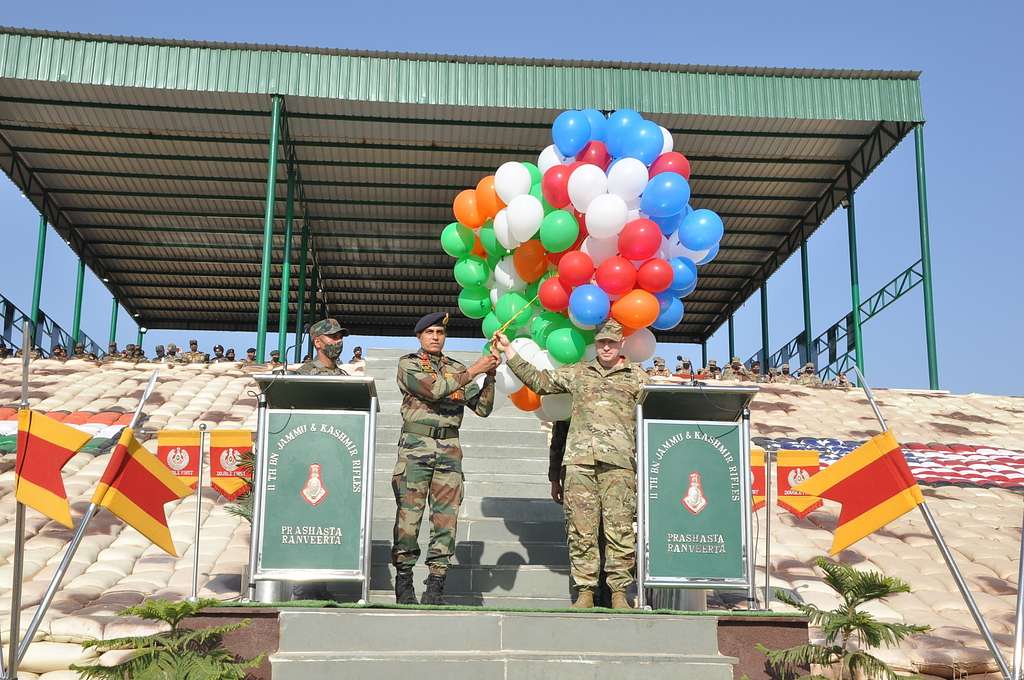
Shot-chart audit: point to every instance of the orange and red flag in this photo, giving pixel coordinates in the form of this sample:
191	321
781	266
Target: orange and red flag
792	468
179	451
227	475
874	485
135	486
44	447
757	456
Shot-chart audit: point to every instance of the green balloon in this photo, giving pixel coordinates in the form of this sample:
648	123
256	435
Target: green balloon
537	193
471	271
490	324
475	302
559	231
565	345
486	350
490	241
508	307
457	240
544	323
588	335
535	174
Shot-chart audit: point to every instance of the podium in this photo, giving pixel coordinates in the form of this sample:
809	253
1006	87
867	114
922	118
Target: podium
313	474
693	494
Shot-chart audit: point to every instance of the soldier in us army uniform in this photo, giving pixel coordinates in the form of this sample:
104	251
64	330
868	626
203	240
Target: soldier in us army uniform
328	342
436	390
808	376
600	458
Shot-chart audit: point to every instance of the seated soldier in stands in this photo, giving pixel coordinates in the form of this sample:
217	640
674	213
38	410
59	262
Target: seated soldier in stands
250	356
59	353
159	356
230	355
754	372
659	370
172	354
842	382
275	359
112	354
218	355
735	371
808	376
784	376
5	351
712	371
684	369
80	353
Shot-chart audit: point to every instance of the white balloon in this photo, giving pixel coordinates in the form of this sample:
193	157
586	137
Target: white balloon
632	215
512	179
633	205
524	214
586	183
506	277
640	346
502	232
557	406
679	250
549	158
600	249
627	178
479	380
666	136
495	294
606	216
542	360
505	381
526	348
581	326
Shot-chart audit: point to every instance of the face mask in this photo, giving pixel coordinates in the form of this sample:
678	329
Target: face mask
332	351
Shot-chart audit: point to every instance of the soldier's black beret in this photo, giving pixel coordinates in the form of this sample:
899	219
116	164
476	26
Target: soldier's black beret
433	319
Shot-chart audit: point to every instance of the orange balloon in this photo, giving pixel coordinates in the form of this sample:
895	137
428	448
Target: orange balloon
627	331
487	200
525	399
636	309
530	260
466	210
478	248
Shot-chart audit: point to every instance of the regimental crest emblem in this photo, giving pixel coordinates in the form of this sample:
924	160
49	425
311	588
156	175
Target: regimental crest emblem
314	491
230	460
797	475
694	500
177	459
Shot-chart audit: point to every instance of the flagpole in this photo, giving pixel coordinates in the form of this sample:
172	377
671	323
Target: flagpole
1018	634
947	555
199	507
65	561
18	568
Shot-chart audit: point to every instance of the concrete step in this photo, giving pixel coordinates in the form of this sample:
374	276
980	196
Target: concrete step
483	645
509	510
484	600
489	553
524	579
482	531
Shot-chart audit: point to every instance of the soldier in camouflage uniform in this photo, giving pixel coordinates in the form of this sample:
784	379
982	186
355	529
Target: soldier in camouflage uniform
600	458
436	390
112	354
712	371
230	355
193	355
59	353
218	355
328	342
808	376
659	369
5	351
784	376
80	353
736	371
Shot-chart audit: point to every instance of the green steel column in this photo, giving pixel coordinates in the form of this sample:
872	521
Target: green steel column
286	267
764	327
268	231
37	283
926	258
301	307
76	323
704	354
113	320
138	338
732	339
806	276
858	340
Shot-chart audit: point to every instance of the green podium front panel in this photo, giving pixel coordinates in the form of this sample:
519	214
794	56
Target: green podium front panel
314	503
694	504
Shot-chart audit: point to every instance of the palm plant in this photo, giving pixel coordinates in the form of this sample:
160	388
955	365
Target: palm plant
242	507
848	631
175	654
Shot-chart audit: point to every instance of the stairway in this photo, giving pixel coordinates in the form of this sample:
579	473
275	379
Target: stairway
510	547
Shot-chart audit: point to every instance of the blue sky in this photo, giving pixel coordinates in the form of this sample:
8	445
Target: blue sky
971	62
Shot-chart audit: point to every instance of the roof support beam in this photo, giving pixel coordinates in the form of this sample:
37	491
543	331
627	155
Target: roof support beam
268	230
926	257
37	279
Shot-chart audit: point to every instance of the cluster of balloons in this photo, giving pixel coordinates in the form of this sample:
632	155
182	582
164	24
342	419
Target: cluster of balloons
600	227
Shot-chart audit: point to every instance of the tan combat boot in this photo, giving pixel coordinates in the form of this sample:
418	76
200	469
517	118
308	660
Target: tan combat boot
619	600
584	600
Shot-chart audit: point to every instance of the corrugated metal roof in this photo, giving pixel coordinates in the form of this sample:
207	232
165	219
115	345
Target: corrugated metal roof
158	181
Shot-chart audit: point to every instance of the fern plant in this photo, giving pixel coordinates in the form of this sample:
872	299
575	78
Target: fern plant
242	507
176	654
849	632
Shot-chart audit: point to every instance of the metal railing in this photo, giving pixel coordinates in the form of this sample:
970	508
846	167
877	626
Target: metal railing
48	335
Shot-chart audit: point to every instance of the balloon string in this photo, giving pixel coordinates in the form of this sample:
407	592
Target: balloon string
508	323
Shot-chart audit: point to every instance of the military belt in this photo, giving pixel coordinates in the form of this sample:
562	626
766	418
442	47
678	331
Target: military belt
428	431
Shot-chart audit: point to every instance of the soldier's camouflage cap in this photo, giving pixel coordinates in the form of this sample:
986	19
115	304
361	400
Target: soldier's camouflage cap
432	319
171	347
111	344
713	362
275	353
809	364
785	367
610	330
735	360
658	361
327	327
79	345
193	341
158	348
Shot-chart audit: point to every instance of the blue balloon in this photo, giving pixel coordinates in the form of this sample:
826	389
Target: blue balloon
618	128
598	124
670	316
701	229
686	291
643	141
669	224
684	275
589	304
571	132
666	194
712	253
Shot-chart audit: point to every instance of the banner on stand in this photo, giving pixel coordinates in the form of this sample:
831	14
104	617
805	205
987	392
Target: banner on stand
227	475
792	468
179	451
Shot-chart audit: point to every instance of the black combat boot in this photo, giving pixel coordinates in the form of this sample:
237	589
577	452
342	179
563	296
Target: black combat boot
405	593
435	590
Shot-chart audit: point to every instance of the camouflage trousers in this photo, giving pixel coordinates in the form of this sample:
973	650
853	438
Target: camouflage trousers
421	476
596	495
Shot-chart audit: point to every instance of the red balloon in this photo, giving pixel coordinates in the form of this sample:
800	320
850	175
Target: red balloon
639	239
555	184
654	275
594	153
553	295
575	268
671	161
616	275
